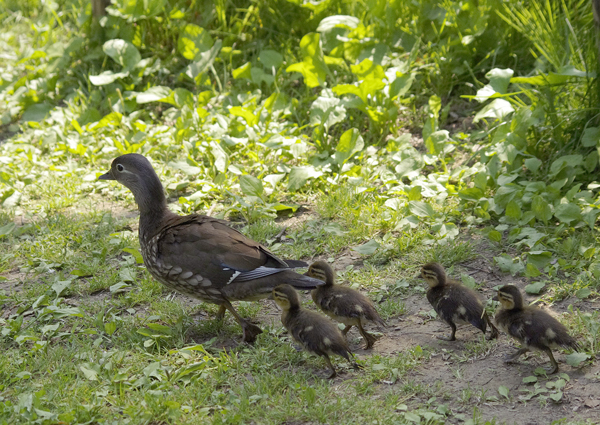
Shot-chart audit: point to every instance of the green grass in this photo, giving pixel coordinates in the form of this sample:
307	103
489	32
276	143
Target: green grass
356	139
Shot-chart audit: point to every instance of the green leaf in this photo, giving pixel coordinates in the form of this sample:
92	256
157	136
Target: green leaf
536	287
533	164
203	62
251	186
221	157
90	374
421	209
344	21
299	176
591	137
530	379
513	210
568	213
367	248
7	229
37	112
193	41
110	328
153	94
122	52
350	143
136	254
313	67
327	110
503	391
243	71
59	286
497	110
507	264
583	293
575	359
499	79
471	194
270	59
495	236
541	209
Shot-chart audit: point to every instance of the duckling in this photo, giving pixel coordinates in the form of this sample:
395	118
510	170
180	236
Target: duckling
313	331
531	326
454	302
343	304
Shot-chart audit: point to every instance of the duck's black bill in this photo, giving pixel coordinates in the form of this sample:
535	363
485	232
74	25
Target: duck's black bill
106	176
495	298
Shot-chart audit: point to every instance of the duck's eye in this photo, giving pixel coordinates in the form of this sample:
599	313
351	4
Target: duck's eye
120	167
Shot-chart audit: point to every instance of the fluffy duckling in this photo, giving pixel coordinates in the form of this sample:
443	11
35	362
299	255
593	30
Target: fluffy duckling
531	326
343	304
310	329
454	302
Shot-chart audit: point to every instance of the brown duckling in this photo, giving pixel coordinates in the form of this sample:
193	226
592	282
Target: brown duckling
531	326
343	304
313	331
454	302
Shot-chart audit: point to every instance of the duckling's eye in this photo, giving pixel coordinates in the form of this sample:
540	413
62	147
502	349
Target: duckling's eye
120	167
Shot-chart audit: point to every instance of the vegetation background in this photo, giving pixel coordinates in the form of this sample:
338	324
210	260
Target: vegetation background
375	134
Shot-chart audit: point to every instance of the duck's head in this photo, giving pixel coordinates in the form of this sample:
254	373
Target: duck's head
286	297
510	297
136	173
434	274
322	271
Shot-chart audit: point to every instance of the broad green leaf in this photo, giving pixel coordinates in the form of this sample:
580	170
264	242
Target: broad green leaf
89	373
533	164
327	110
415	194
536	287
421	209
503	391
251	186
299	176
591	137
507	264
12	200
436	141
203	61
190	170
270	59
530	379
110	328
153	94
499	79
107	77
350	143
575	359
334	228
531	270
497	110
313	67
7	229
583	293
565	161
471	194
136	254
513	210
243	71
541	209
221	157
367	248
495	236
193	41
568	213
60	285
331	22
540	258
122	52
37	112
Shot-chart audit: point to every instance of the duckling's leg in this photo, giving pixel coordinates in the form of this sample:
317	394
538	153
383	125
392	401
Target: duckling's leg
516	355
493	330
250	331
333	372
346	329
452	335
369	339
552	361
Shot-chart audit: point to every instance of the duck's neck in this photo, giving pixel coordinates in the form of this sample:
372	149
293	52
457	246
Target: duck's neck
152	204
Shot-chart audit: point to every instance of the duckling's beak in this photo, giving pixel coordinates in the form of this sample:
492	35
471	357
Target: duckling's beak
106	176
495	298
